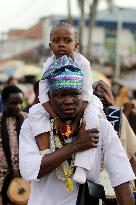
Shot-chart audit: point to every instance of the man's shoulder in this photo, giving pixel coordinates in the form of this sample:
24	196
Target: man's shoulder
36	107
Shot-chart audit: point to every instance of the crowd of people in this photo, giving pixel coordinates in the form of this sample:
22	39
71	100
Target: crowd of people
69	134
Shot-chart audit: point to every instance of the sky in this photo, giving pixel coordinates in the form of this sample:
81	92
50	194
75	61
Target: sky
24	13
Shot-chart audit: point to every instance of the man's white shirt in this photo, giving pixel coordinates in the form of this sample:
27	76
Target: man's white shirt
49	189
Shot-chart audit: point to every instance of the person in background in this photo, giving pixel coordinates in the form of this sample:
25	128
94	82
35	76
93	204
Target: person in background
125	132
129	111
122	96
11	120
36	95
12	81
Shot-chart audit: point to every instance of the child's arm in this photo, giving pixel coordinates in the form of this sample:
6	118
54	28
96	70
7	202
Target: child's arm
79	116
43	84
43	91
40	124
81	113
84	65
42	140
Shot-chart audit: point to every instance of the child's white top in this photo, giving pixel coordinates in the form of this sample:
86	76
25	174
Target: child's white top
83	64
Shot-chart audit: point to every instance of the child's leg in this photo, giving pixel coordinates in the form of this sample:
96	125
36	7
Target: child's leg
43	143
84	160
40	123
39	119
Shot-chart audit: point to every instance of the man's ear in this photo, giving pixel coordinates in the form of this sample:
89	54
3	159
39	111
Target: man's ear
50	46
76	46
49	94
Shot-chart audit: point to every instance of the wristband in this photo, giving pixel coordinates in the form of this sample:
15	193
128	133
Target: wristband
44	152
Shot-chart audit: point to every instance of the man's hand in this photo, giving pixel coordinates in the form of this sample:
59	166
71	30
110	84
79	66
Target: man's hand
86	139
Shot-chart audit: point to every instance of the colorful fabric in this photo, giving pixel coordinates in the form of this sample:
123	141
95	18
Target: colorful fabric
60	65
66	79
63	73
83	64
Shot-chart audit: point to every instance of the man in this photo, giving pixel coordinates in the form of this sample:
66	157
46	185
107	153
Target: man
10	123
125	132
50	173
129	111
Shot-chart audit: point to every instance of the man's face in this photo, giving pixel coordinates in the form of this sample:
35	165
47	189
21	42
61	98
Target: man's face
66	102
63	41
13	104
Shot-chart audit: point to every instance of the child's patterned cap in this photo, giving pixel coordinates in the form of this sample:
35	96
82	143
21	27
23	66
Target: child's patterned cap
63	73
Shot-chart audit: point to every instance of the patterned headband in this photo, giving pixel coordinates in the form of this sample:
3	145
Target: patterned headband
63	73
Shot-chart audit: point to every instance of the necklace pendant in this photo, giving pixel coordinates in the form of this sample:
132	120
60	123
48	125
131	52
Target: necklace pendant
67	131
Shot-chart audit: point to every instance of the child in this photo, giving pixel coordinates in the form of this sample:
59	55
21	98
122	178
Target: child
64	44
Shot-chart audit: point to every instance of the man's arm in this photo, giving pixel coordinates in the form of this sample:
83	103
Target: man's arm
118	167
124	194
133	163
33	165
85	140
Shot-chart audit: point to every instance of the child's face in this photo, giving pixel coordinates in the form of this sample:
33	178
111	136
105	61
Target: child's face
63	41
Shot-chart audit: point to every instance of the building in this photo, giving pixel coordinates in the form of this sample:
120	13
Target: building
18	41
114	34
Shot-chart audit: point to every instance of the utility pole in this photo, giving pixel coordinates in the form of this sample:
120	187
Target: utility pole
118	51
69	11
2	37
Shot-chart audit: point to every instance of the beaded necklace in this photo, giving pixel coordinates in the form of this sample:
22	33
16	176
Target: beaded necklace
62	172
